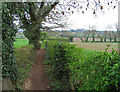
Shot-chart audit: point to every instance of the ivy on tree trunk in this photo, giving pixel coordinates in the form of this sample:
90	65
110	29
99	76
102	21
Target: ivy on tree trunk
9	62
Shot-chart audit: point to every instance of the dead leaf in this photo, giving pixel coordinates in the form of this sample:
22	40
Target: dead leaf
69	8
101	7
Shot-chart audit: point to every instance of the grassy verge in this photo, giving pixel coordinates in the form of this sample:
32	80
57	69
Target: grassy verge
24	57
20	43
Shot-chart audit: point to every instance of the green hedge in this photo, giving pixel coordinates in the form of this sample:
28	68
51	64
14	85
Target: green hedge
80	71
9	63
61	54
66	39
24	57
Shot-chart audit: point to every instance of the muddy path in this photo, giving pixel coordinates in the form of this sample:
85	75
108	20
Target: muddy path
37	79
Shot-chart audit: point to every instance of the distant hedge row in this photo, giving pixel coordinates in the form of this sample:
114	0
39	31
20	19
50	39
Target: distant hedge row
78	71
59	39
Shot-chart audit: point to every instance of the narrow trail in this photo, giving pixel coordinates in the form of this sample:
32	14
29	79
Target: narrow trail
37	79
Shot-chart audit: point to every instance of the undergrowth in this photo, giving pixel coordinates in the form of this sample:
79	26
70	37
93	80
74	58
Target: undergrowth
24	57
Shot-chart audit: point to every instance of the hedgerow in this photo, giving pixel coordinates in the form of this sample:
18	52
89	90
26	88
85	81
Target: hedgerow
24	56
72	67
61	55
59	39
9	62
100	71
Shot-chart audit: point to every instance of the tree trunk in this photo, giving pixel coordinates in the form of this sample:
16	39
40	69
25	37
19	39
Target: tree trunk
33	37
105	38
87	38
93	37
37	44
30	40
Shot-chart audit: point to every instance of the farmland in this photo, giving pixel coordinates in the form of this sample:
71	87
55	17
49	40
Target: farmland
97	46
20	43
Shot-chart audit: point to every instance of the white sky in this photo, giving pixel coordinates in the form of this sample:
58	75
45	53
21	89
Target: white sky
101	21
88	19
103	18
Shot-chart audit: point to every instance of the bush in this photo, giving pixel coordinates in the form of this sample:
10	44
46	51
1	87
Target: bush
24	56
61	55
93	71
71	38
44	44
58	39
100	71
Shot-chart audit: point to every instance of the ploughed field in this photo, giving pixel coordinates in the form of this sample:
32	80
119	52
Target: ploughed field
97	46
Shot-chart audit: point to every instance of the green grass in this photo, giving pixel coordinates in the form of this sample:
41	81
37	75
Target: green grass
88	51
42	45
20	43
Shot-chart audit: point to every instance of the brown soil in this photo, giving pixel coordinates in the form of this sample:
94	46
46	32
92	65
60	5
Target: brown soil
37	79
95	46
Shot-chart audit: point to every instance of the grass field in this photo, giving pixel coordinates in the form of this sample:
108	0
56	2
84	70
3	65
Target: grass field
95	45
89	46
20	43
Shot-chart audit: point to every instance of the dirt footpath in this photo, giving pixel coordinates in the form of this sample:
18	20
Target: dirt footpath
37	79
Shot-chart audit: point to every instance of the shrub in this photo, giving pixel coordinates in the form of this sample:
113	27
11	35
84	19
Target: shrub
93	71
71	38
58	39
44	44
24	56
100	71
61	55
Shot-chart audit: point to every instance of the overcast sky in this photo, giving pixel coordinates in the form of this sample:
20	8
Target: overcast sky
101	20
